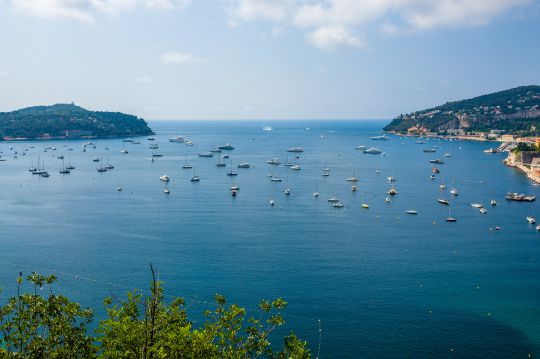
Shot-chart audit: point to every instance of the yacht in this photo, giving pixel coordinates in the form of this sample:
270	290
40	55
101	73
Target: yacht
189	143
380	138
244	165
333	199
454	191
337	205
295	149
360	147
226	147
352	179
378	171
354	188
493	202
177	139
153	146
483	210
450	219
165	178
443	201
274	161
387	199
365	205
275	179
429	150
195	179
477	205
392	191
411	211
447	154
325	174
391	179
373	151
531	220
438	161
187	166
166	190
491	150
206	154
287	191
296	168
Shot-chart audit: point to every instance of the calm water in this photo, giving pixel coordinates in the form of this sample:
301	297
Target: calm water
383	283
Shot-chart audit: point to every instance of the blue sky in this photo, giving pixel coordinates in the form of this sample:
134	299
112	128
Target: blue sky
264	59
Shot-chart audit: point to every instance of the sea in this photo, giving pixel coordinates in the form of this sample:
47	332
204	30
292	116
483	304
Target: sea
360	283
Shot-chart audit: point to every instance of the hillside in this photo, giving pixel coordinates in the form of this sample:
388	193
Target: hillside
69	121
515	111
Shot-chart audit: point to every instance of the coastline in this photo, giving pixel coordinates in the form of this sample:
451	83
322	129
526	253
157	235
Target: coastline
510	162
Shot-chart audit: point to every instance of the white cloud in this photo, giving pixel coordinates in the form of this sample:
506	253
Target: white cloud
334	36
143	79
86	10
333	23
2	73
175	57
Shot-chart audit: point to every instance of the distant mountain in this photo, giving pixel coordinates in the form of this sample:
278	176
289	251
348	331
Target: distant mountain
515	111
69	121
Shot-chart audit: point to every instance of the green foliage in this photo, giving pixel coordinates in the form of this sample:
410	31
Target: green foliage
35	326
33	122
504	110
525	147
147	327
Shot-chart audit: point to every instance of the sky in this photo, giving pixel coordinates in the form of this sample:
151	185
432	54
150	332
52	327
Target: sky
264	59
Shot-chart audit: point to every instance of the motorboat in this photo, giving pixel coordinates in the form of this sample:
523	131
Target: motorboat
295	149
226	147
164	178
373	151
244	165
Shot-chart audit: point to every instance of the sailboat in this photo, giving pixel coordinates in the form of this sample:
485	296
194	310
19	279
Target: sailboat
442	200
70	166
231	172
64	170
195	178
124	151
287	190
364	204
316	193
493	202
186	164
450	218
352	179
220	164
109	166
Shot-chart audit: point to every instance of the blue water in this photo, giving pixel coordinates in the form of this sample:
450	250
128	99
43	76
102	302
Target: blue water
382	283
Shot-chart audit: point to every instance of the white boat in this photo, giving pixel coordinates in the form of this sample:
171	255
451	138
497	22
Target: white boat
352	179
354	188
325	174
271	202
275	179
373	151
378	171
411	211
392	191
476	205
295	149
244	165
493	202
531	220
391	179
450	219
187	166
443	201
166	191
195	179
165	178
380	138
360	147
153	146
538	228
267	128
296	168
483	210
287	191
333	199
274	161
387	199
189	143
491	150
316	193
365	205
454	192
447	154
338	205
206	154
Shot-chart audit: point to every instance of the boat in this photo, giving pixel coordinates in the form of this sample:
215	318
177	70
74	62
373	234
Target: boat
164	178
390	179
493	202
392	191
352	179
275	179
420	142
189	143
373	151
119	189
365	205
435	170
274	161
429	150
360	147
477	205
325	174
287	191
354	188
157	155
519	197
226	147
450	219
267	128
387	199
153	146
215	150
379	138
220	164
187	166
244	165
438	161
64	170
59	157
234	193
231	173
295	149
206	154
272	202
177	139
296	168
337	205
491	150
531	220
483	210
454	192
447	154
412	211
95	159
333	199
316	193
443	201
166	190
378	171
108	166
432	177
195	179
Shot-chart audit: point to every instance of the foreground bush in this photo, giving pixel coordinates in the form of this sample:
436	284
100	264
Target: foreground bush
33	325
